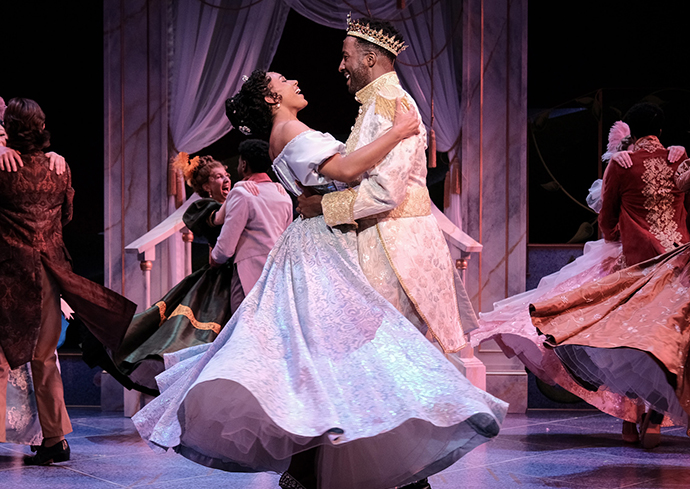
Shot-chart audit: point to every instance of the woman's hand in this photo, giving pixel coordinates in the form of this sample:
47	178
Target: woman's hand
675	153
57	162
9	159
350	167
219	216
249	186
682	176
622	158
406	121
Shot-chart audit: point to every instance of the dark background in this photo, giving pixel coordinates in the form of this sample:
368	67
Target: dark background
590	62
52	52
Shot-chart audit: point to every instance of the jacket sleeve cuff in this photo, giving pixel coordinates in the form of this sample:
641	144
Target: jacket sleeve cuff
211	220
338	207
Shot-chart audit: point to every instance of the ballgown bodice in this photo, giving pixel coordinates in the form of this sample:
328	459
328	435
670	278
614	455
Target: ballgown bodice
300	160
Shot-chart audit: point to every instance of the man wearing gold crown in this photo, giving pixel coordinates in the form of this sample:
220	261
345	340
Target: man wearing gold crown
401	248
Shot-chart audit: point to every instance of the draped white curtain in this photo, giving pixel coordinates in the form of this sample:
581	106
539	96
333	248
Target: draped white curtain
333	13
432	31
218	41
213	46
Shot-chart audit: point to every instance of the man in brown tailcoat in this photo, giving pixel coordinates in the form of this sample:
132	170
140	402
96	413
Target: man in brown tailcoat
35	203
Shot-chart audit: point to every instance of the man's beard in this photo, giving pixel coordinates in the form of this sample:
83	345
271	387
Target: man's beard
359	79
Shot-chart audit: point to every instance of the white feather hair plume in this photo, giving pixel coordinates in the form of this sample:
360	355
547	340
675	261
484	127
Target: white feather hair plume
619	131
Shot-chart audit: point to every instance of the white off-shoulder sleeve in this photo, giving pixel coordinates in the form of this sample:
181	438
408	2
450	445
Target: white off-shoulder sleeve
594	196
301	158
682	176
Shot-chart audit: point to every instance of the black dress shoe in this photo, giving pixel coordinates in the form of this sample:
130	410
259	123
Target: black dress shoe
288	482
48	455
422	484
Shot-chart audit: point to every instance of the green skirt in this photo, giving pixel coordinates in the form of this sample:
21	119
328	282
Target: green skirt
190	314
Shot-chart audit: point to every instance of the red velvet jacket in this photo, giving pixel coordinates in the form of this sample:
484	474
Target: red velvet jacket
641	205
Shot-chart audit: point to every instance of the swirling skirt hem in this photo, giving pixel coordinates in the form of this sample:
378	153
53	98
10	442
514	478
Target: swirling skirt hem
237	435
627	372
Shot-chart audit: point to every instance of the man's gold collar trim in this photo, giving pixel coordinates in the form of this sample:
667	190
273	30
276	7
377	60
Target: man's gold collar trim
368	93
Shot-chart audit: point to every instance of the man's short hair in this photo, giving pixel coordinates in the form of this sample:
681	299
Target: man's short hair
645	119
255	153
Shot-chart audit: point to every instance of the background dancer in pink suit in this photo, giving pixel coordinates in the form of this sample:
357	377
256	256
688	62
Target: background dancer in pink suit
253	220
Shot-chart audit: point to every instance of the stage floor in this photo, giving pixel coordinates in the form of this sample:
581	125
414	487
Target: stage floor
560	449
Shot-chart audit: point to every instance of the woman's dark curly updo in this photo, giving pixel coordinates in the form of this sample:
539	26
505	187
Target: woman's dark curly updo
25	126
248	110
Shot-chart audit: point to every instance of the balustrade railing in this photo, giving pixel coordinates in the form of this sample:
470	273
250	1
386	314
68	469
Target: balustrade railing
461	247
145	246
145	249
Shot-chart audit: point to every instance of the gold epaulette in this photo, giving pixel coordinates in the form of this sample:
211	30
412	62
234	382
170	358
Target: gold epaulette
385	106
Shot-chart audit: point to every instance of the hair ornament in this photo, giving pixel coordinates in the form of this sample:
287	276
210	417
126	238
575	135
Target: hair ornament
245	130
619	139
363	31
187	166
245	78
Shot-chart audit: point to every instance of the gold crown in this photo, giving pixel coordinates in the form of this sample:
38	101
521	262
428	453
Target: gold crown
363	31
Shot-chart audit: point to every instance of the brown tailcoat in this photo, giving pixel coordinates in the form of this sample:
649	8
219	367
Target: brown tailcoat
35	203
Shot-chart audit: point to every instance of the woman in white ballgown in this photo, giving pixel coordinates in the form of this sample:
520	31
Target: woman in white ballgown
315	357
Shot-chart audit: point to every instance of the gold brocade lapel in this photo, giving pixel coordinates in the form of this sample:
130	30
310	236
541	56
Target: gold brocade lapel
367	96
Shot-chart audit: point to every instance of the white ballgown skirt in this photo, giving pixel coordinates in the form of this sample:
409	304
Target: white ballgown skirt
21	417
315	357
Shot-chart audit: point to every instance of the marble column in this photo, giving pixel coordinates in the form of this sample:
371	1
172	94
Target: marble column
135	52
494	171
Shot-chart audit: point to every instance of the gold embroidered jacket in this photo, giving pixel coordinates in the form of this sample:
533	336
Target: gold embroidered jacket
642	206
401	248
